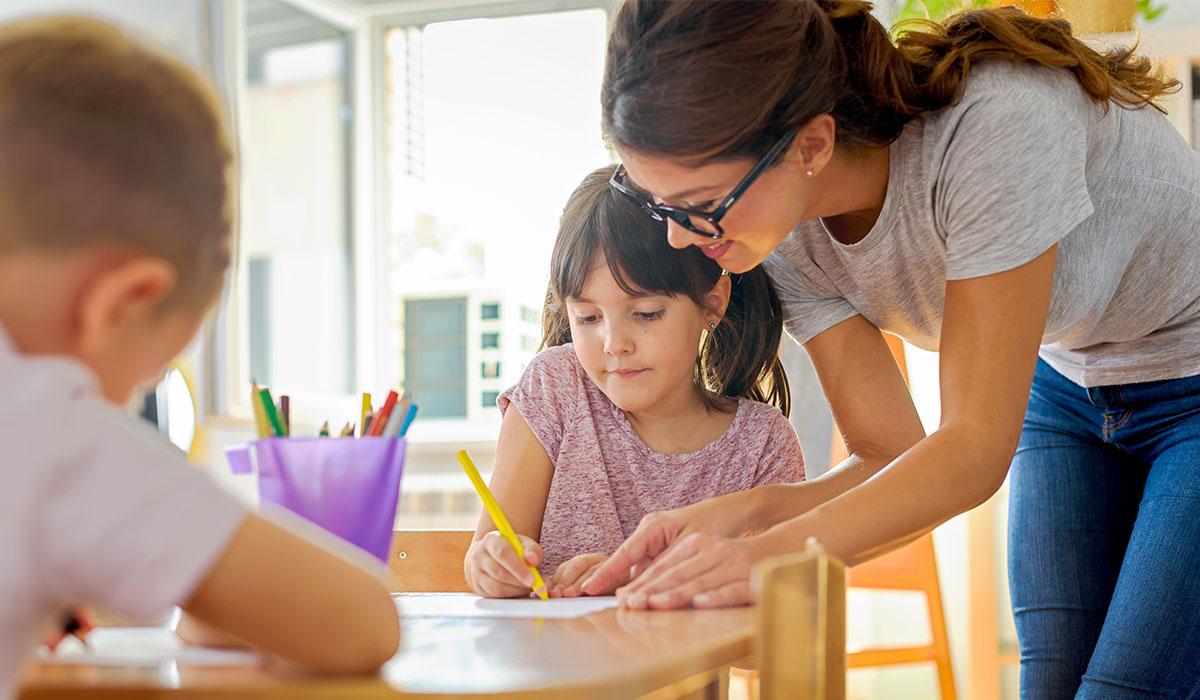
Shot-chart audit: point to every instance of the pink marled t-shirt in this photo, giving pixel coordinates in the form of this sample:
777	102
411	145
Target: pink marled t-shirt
606	478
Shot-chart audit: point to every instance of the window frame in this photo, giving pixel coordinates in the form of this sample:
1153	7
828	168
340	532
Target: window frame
372	320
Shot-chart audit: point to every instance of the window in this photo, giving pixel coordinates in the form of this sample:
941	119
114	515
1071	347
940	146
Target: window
489	370
489	399
295	272
435	356
474	189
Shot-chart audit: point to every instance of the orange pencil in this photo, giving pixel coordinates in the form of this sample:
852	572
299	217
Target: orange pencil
381	419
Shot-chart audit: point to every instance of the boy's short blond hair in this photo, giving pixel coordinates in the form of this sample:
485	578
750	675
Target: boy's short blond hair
105	142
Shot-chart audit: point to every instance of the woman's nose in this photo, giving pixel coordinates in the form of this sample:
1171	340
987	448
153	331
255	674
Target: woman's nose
679	237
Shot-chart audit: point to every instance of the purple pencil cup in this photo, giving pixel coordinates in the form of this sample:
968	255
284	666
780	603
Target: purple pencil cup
348	486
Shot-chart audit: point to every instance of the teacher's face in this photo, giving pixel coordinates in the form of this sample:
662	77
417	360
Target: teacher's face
753	226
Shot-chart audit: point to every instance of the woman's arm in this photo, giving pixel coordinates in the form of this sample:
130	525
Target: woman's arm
521	483
871	405
991	330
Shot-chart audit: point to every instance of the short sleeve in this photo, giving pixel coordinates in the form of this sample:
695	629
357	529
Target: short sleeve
811	301
128	523
1012	180
783	461
549	396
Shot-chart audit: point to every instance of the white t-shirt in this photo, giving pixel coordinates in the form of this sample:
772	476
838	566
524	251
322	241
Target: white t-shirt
95	507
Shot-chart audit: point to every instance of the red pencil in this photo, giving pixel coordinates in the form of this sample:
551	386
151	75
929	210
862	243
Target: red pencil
381	418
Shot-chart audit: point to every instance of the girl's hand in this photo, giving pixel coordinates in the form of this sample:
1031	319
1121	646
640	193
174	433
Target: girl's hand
565	583
493	569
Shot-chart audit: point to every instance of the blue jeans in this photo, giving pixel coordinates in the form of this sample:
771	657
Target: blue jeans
1104	540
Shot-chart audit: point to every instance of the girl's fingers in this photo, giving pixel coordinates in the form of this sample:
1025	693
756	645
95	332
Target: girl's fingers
503	554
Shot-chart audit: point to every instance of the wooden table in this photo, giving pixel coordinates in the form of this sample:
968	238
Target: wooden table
611	654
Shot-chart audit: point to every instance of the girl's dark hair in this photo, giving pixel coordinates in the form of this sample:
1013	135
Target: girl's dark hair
719	79
739	359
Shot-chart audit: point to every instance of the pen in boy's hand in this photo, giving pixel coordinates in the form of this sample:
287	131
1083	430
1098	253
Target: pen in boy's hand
74	623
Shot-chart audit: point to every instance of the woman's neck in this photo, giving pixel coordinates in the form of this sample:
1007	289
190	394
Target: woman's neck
682	423
861	177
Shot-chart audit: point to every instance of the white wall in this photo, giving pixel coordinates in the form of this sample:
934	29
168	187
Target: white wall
179	26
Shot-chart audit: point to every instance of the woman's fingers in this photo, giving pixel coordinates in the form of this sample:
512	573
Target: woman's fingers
654	534
700	565
729	595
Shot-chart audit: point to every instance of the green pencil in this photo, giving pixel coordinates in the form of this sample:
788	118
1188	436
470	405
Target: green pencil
272	414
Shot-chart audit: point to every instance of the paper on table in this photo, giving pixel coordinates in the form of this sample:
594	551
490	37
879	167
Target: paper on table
464	605
142	646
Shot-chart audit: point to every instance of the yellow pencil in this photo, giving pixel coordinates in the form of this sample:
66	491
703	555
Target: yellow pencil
366	410
493	509
261	425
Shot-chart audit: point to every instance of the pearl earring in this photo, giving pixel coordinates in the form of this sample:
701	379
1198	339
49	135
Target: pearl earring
809	172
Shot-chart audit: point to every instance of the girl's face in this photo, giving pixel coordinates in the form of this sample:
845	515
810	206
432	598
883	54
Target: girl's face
639	349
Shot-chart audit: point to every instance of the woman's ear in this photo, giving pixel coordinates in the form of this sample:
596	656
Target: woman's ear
812	149
118	298
717	299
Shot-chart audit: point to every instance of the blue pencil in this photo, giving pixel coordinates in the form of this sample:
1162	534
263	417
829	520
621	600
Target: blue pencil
408	419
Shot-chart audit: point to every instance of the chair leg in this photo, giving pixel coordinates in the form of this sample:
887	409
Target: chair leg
941	641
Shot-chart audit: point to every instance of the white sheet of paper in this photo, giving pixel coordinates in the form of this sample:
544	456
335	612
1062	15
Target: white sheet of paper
465	605
142	646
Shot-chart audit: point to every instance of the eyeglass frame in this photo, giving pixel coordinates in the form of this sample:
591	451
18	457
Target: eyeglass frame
683	215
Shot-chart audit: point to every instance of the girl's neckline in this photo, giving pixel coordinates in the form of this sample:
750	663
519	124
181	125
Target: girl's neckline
647	453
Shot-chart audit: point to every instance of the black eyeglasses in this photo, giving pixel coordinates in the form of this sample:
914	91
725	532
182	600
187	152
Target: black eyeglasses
704	223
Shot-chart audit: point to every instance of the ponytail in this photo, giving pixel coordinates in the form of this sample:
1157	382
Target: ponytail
739	74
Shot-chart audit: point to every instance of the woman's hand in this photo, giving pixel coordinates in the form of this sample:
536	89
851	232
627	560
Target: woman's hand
700	570
725	516
494	570
565	583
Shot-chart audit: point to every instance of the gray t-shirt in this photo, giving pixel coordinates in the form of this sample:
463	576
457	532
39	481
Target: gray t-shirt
1023	161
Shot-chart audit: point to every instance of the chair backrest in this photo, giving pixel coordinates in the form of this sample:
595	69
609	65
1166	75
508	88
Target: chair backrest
428	561
802	626
913	567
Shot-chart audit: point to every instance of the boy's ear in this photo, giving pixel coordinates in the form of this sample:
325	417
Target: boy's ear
717	299
119	296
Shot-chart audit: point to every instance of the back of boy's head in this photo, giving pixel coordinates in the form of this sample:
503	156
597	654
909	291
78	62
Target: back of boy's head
739	358
106	143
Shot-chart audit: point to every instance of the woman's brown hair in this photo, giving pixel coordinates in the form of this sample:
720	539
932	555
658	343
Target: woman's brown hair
105	142
740	358
719	79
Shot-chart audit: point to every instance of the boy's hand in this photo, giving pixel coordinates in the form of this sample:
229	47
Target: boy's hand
77	622
494	571
565	583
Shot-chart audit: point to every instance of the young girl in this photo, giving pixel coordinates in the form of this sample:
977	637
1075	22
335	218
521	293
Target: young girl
660	386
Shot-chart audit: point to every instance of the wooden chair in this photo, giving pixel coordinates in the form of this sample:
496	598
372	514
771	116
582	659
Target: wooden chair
802	626
428	561
910	568
913	567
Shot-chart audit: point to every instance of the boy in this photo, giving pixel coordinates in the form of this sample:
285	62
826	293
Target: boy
114	243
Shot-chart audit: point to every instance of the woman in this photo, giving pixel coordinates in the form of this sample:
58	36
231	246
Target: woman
991	189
